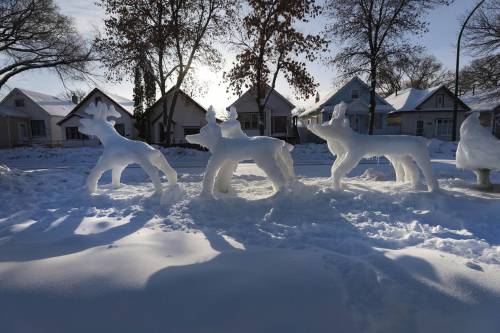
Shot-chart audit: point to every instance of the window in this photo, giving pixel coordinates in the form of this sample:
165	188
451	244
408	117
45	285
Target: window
440	100
191	130
37	128
444	127
19	102
420	128
120	128
279	124
249	120
73	134
355	94
97	100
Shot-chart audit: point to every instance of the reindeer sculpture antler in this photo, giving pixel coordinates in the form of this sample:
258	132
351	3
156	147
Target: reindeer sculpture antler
102	112
233	115
210	116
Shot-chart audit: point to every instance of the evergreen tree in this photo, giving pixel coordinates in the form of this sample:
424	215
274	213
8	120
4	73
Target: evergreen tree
149	89
138	93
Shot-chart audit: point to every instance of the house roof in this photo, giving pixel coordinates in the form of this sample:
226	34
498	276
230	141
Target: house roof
410	99
5	111
486	100
123	103
249	90
51	104
198	105
318	106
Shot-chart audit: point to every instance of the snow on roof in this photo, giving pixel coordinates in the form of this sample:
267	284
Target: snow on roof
486	100
124	102
317	107
51	104
411	98
9	112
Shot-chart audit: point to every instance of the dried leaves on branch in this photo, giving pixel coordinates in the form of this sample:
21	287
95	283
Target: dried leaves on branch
34	34
269	43
166	38
373	33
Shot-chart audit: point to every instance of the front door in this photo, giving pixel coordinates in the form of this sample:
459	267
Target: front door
22	132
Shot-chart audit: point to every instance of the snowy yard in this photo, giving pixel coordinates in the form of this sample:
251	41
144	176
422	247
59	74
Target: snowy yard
377	257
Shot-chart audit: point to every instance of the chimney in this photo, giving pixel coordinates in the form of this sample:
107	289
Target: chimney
74	98
317	97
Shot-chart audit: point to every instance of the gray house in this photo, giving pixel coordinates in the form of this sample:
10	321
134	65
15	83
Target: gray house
278	115
356	94
425	112
28	117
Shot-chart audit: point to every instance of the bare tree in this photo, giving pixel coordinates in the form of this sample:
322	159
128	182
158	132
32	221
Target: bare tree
372	31
482	74
34	34
171	36
414	70
482	33
74	95
268	44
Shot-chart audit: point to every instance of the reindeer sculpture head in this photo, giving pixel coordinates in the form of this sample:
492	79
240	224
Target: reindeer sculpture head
209	134
337	126
99	124
231	128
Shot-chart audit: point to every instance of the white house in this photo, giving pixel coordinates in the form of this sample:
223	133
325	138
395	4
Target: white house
278	115
486	102
356	94
189	117
124	125
30	117
426	112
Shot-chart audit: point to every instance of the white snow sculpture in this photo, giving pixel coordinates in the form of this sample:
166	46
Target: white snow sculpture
350	147
231	128
268	153
478	150
120	151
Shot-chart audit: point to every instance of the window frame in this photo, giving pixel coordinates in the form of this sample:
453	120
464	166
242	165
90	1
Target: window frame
449	130
38	134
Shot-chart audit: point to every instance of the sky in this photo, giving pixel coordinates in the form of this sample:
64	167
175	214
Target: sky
440	41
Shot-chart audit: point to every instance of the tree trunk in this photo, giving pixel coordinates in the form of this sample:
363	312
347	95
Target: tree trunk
171	116
373	101
262	119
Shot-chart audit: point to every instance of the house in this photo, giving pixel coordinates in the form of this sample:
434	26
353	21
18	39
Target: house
278	115
356	94
425	112
30	117
124	125
488	104
189	118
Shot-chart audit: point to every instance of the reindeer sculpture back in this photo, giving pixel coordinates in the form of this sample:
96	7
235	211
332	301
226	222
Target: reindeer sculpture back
120	152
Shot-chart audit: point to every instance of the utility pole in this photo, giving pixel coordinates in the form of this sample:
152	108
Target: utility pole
457	67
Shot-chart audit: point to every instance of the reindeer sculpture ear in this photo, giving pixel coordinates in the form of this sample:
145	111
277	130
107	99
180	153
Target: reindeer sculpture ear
233	115
210	116
339	111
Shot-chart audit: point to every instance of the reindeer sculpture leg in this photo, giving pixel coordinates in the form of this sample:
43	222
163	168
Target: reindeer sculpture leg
116	175
423	161
398	168
285	162
213	166
348	162
96	173
411	172
223	180
152	172
273	172
161	163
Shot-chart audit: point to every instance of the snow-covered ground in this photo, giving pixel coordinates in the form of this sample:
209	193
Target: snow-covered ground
378	257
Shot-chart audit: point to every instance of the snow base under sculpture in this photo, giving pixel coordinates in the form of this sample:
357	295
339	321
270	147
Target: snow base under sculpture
478	150
120	151
229	146
406	153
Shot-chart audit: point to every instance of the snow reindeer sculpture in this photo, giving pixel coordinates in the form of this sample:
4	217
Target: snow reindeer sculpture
231	128
120	152
226	151
478	150
351	147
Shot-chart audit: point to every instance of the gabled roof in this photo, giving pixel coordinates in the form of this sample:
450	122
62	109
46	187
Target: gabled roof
198	105
486	100
249	90
123	103
410	99
50	104
5	111
318	106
